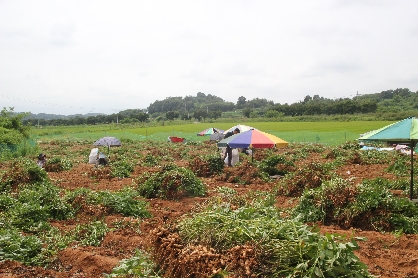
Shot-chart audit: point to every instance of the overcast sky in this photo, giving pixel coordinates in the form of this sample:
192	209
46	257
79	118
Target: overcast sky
78	57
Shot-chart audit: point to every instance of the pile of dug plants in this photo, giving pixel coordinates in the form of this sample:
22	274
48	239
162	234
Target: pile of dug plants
245	236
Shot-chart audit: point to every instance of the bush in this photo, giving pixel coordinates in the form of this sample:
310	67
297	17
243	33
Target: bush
34	205
169	183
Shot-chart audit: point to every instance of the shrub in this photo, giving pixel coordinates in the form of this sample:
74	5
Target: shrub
170	182
151	160
400	166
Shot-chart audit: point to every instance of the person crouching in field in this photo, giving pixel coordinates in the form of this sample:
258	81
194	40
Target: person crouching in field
41	160
102	159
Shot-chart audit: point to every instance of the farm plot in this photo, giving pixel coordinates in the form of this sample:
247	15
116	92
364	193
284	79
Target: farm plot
172	210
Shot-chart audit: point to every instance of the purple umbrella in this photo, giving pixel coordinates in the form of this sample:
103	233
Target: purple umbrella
108	141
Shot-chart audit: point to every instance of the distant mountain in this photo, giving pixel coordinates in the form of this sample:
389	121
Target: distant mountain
54	116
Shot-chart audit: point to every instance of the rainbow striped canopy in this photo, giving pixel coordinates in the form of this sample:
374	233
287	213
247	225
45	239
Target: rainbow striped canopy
253	138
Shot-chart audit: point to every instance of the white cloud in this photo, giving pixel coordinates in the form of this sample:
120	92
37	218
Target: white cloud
72	57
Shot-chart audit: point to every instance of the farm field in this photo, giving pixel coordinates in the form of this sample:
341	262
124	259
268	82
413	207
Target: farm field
331	133
276	179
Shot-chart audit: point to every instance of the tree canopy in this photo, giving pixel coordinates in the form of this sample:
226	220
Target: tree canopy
12	130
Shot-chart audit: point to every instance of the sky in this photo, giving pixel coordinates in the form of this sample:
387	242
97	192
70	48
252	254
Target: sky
85	56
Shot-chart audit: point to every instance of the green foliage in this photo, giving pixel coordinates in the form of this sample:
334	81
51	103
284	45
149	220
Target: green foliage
21	171
268	166
368	206
12	130
122	167
401	166
216	164
17	247
125	202
151	160
207	165
376	156
170	182
58	164
25	148
350	145
286	248
140	265
310	176
36	204
399	184
91	234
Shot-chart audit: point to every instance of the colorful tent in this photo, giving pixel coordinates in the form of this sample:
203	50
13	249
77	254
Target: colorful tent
405	132
241	128
253	138
209	131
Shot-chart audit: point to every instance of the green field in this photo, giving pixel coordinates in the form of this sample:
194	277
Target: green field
332	133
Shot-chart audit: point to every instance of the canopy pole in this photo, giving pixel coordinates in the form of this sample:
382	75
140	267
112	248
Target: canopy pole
411	189
252	155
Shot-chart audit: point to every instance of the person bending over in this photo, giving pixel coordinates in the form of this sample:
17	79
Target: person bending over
228	151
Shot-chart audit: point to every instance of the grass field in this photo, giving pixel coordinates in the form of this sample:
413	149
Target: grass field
316	132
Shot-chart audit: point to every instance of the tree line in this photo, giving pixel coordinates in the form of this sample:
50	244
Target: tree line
204	107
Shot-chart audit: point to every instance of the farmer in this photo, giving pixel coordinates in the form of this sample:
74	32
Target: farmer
228	151
102	159
41	160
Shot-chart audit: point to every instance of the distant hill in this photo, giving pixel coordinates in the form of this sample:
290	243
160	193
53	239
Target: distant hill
54	116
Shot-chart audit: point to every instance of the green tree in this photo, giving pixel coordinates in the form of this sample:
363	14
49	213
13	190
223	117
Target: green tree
200	114
171	115
12	130
242	101
246	112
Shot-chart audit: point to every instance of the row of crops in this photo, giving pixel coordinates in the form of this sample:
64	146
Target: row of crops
231	233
